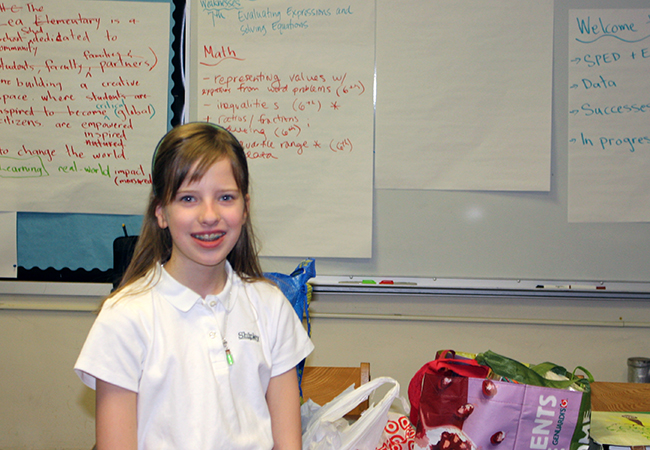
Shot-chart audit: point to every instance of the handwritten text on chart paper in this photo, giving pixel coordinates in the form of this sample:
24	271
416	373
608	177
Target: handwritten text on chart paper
609	112
607	51
275	109
83	98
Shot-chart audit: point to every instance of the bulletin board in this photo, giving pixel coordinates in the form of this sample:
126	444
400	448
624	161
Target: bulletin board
91	87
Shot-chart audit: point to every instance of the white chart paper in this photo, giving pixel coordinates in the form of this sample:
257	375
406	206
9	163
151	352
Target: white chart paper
609	115
294	82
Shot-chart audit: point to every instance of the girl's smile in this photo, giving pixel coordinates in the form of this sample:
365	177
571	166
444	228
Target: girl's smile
205	219
208	237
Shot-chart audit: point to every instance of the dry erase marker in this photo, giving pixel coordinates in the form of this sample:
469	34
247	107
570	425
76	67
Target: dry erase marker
585	287
570	286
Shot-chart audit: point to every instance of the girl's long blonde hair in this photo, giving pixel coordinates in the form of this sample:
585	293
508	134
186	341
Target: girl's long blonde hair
192	147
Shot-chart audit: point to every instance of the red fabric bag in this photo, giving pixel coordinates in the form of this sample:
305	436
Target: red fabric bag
445	360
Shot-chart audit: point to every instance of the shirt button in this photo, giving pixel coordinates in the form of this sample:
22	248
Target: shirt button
212	334
213	303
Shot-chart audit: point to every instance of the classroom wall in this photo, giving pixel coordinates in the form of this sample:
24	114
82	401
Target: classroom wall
45	407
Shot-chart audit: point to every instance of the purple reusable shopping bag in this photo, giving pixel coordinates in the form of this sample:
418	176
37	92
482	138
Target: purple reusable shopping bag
464	413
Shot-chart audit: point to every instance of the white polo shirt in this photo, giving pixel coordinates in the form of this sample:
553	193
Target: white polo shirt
165	343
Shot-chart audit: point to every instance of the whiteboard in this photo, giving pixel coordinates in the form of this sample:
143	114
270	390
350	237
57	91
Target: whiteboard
500	235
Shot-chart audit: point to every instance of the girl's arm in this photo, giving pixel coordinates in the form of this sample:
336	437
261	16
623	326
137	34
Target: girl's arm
283	398
116	426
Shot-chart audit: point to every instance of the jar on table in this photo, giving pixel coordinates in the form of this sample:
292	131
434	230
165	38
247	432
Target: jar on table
638	370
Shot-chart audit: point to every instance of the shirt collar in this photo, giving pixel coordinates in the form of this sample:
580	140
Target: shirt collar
183	298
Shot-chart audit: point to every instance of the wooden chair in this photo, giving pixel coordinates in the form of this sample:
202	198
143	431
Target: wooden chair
322	384
610	396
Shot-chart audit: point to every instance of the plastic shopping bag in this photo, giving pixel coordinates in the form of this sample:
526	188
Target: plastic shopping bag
399	433
296	287
326	429
298	291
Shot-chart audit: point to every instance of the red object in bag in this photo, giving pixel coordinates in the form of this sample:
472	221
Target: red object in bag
461	366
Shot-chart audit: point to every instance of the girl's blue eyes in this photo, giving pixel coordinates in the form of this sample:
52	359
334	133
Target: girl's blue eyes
191	198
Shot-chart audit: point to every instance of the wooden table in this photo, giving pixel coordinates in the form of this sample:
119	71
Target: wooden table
610	396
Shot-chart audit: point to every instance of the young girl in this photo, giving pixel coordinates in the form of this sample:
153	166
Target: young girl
195	350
